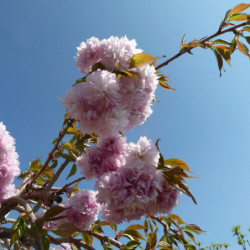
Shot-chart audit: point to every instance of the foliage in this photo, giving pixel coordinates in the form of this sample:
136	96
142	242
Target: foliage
37	190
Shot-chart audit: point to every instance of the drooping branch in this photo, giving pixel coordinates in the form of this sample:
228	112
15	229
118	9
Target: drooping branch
203	41
79	243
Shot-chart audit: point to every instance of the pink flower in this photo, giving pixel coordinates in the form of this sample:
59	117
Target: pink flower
9	164
107	156
64	246
87	55
83	209
126	193
96	104
142	153
137	95
117	50
167	199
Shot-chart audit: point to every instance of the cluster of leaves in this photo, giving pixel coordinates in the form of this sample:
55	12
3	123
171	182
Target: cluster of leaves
221	48
174	171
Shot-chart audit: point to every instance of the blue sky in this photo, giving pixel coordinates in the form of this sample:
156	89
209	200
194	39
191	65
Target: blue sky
205	122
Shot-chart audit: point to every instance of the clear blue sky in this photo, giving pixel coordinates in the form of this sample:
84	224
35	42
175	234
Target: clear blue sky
205	122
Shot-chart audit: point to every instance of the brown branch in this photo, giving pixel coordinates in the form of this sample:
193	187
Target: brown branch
12	203
105	238
77	242
54	179
203	41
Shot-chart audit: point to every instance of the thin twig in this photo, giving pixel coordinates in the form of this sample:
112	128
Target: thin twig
63	189
218	33
50	156
54	179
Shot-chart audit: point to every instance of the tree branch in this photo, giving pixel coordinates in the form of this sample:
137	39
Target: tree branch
203	41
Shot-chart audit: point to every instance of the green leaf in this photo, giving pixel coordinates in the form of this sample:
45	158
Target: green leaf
220	41
193	228
80	80
88	239
36	165
238	17
247	39
141	59
126	73
114	227
246	28
135	227
18	229
136	235
67	156
97	66
177	163
177	218
238	8
164	85
72	171
180	184
131	245
145	226
69	146
54	165
232	46
152	239
219	60
224	52
191	236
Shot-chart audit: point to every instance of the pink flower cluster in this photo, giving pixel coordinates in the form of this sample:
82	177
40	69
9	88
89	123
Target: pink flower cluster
106	104
108	51
107	156
83	210
9	164
129	185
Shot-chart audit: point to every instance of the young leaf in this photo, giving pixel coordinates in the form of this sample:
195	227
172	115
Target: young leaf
224	52
18	229
65	230
97	66
177	218
246	28
135	227
243	48
140	59
179	184
177	163
232	46
136	235
129	74
72	171
219	60
238	17
220	41
53	211
191	236
247	39
238	8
